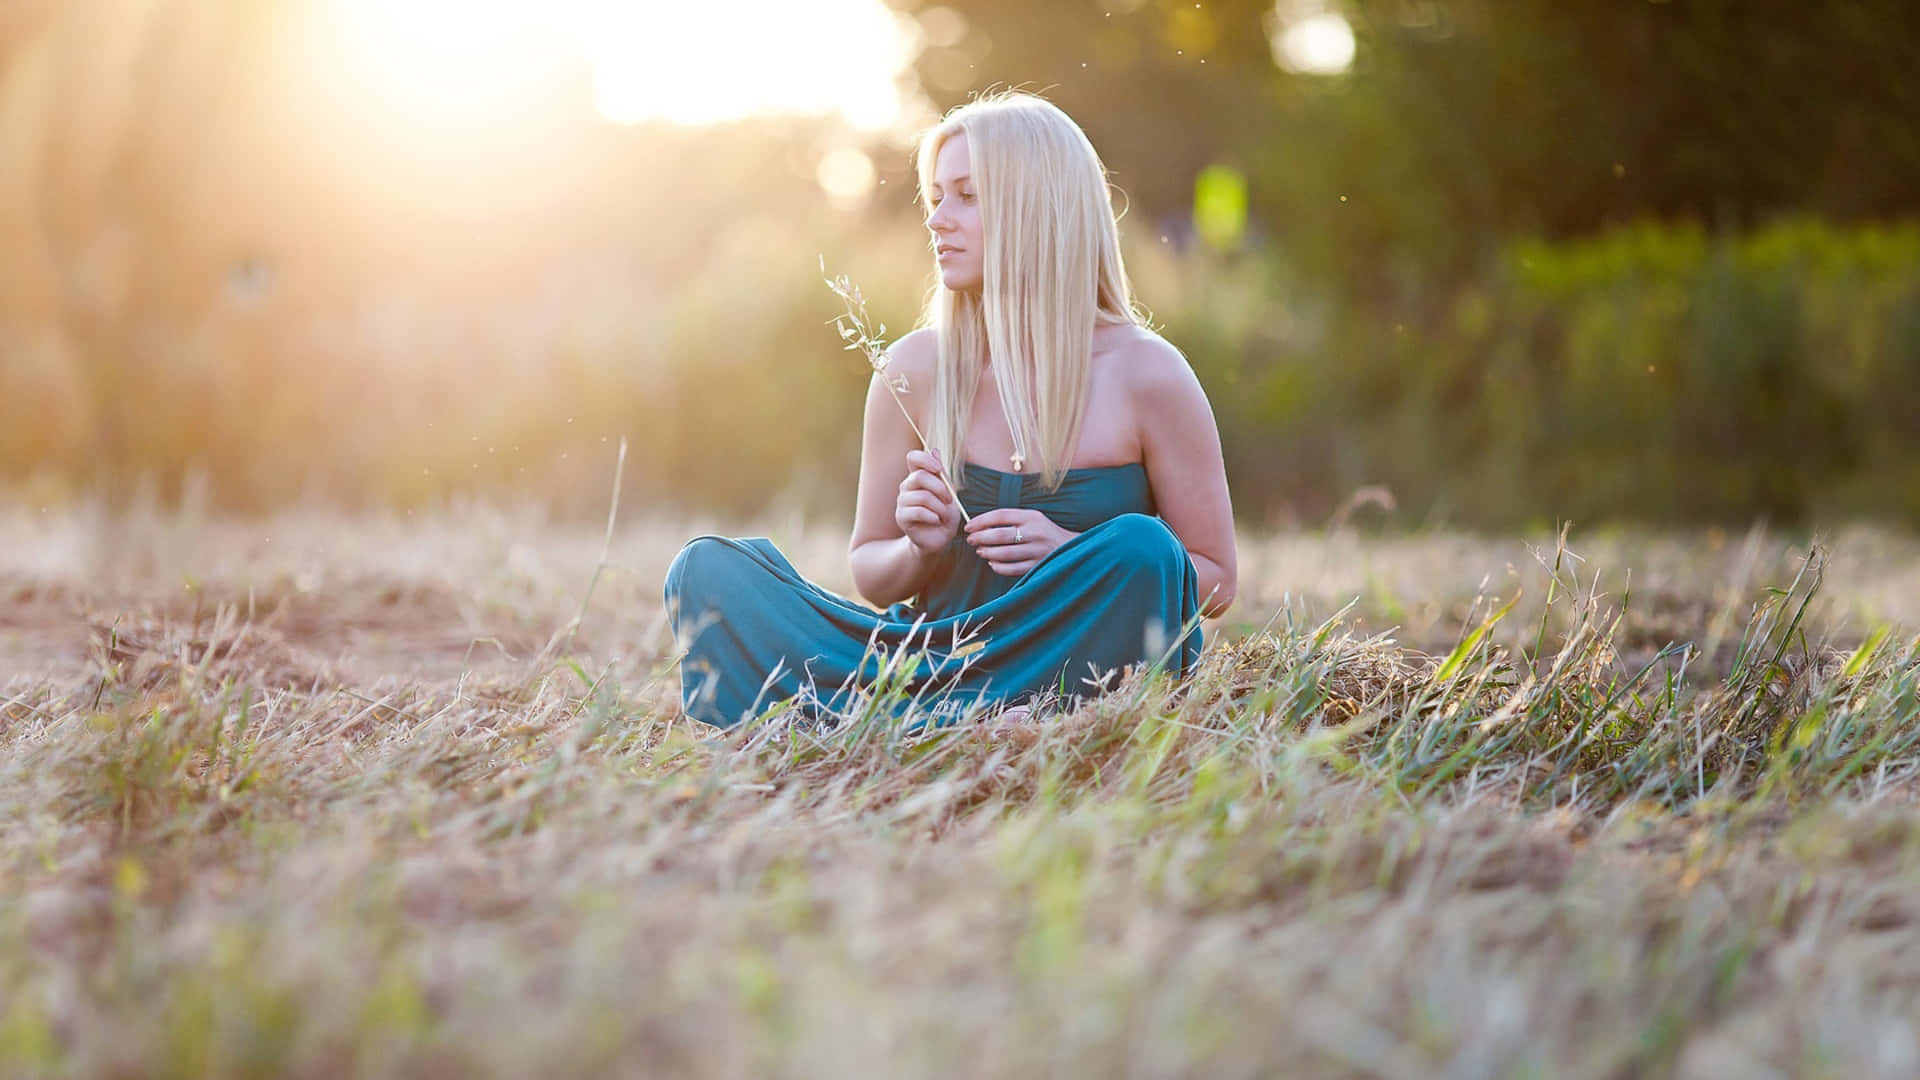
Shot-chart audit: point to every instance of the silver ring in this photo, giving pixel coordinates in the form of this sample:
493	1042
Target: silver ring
1018	536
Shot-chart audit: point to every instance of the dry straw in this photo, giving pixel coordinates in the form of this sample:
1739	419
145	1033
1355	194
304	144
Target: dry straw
861	334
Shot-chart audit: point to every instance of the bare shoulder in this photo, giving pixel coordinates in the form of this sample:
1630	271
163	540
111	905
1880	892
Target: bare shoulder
914	355
1154	368
910	369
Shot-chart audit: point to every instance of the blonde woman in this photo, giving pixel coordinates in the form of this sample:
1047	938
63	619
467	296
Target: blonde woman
1081	444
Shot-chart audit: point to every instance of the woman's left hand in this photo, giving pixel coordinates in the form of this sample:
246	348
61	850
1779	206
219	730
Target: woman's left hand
1014	540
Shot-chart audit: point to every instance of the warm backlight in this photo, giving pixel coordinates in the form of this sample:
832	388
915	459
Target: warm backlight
693	62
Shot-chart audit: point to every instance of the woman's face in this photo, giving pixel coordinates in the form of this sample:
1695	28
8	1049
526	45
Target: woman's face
954	219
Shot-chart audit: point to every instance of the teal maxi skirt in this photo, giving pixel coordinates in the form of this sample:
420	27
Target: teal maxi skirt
1123	592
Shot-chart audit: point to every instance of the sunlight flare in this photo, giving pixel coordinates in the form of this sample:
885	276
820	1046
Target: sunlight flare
686	63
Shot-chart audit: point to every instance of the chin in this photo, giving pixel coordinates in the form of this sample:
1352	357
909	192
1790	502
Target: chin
959	282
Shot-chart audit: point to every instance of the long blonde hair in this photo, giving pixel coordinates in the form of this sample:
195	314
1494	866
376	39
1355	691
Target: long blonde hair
1052	272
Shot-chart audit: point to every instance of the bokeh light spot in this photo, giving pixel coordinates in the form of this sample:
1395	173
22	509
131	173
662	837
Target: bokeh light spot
847	176
1321	43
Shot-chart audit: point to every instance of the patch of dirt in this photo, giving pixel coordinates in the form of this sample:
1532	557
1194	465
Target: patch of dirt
279	637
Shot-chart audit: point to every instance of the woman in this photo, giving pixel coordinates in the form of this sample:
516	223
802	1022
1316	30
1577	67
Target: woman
1060	422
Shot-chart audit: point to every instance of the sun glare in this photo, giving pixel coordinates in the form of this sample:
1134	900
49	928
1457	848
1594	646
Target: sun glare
686	62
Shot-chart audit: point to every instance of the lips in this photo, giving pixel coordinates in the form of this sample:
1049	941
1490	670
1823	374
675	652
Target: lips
945	249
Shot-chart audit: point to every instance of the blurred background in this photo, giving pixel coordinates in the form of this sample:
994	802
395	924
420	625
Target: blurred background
1497	264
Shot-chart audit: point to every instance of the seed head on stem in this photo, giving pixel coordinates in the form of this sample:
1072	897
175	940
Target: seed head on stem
862	335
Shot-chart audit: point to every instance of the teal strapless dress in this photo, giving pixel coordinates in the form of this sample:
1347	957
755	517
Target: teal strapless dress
757	633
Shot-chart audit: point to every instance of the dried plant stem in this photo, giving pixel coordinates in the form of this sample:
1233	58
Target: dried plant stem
964	516
859	332
606	549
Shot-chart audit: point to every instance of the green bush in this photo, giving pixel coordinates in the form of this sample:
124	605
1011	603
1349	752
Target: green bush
1653	373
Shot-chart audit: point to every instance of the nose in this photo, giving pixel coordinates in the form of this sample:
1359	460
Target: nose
937	222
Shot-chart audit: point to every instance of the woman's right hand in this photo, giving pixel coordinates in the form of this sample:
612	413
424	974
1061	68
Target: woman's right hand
926	510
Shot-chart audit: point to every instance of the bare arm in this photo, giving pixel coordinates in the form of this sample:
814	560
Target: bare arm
1180	444
887	565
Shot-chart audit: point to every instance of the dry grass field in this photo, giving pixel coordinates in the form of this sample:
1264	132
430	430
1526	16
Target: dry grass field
327	795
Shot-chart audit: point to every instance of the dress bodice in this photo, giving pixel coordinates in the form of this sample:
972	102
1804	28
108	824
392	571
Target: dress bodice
1085	498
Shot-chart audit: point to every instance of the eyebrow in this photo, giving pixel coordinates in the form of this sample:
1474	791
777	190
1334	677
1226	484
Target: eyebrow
955	180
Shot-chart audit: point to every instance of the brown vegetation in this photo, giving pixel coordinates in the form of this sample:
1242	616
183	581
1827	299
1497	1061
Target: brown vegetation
325	795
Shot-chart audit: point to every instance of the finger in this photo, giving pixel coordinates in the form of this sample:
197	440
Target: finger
998	536
920	500
1005	550
942	512
1003	516
1002	532
921	480
1011	569
991	537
